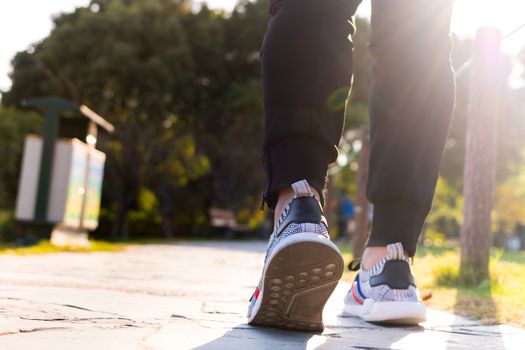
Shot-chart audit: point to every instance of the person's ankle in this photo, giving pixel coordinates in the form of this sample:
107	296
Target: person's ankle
285	196
371	256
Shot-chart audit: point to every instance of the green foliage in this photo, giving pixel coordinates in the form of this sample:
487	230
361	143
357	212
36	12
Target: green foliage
144	220
228	109
6	226
509	209
14	126
446	214
356	114
447	273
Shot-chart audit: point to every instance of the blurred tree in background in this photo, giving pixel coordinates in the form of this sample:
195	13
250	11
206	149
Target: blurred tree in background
227	109
14	126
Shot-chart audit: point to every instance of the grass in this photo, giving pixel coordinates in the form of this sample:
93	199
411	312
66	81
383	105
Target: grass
45	247
498	300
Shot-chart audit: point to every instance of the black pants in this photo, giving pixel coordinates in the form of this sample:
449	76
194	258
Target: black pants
307	56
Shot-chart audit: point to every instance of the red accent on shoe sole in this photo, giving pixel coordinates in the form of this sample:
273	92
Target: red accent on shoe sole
355	296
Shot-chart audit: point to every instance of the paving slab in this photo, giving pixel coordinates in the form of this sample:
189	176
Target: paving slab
189	295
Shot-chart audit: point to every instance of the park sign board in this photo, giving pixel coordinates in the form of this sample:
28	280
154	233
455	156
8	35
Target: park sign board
75	188
84	187
61	179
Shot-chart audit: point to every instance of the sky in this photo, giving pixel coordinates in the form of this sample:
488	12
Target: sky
23	22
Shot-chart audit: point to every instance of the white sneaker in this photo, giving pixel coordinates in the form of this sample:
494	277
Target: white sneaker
386	293
301	269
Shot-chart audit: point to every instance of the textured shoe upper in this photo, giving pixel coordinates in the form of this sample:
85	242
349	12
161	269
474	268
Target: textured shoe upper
388	280
395	274
302	214
302	209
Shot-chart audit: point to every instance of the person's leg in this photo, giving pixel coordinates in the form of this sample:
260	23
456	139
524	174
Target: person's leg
306	60
411	107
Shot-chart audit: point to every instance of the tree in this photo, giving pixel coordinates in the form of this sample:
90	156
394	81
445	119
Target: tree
510	198
480	166
446	215
173	162
228	108
14	126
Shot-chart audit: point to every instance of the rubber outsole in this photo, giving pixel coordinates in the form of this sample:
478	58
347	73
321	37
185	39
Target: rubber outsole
394	312
298	281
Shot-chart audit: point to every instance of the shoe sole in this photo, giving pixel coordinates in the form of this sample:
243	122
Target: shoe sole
298	280
353	310
394	312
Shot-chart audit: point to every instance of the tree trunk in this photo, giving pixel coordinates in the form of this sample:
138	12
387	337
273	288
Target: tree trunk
164	198
167	227
480	158
120	229
360	234
119	225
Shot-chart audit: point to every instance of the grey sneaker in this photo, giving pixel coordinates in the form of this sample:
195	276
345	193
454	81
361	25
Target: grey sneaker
301	268
386	293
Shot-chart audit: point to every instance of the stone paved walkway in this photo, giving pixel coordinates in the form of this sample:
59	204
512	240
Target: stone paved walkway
185	296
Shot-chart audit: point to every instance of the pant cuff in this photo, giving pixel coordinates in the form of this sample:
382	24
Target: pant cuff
397	222
295	159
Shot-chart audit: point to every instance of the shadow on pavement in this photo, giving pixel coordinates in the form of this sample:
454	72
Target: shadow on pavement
244	336
349	333
461	332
